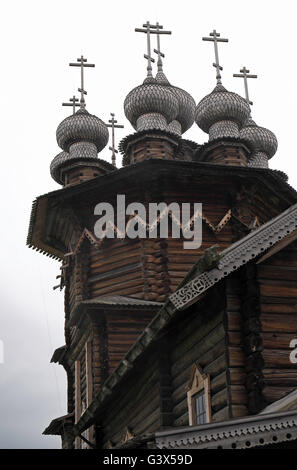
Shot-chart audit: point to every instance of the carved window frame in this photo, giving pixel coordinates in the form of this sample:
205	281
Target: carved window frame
199	381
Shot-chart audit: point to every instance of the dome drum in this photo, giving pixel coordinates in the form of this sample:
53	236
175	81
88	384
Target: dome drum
151	121
149	145
81	150
223	129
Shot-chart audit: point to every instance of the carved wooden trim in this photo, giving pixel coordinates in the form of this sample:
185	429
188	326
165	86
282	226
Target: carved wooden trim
198	381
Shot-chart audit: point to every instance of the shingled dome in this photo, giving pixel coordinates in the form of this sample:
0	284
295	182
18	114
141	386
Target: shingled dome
63	159
259	138
79	127
56	163
221	105
148	98
186	104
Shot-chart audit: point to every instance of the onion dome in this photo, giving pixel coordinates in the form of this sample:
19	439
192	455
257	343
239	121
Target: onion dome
63	162
82	127
221	113
262	142
151	106
56	163
81	136
186	104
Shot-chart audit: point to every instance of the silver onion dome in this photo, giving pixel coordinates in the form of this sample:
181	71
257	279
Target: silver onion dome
82	127
64	160
221	106
151	98
187	105
259	138
56	163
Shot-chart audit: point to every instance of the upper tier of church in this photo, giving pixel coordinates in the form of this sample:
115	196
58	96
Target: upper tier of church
161	113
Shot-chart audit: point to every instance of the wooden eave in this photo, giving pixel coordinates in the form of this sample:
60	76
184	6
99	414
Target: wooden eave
56	427
58	355
95	307
42	238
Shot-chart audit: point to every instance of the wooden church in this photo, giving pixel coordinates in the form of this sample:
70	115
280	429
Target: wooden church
167	347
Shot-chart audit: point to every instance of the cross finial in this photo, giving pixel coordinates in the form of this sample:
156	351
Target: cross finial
113	124
215	38
158	50
147	28
81	62
245	74
72	102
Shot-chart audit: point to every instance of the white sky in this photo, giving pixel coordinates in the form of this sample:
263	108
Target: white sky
39	39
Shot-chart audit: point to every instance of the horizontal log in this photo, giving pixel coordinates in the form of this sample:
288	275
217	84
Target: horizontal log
281	307
277	340
237	375
277	272
276	393
222	415
279	323
236	357
276	290
238	395
219	400
234	338
277	358
280	377
239	410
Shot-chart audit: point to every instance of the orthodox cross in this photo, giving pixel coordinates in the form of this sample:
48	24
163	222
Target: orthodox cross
148	30
158	51
245	74
81	62
215	38
112	148
72	102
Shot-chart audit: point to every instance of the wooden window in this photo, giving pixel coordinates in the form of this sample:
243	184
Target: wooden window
198	395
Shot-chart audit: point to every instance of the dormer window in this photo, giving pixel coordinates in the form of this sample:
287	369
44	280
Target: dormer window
199	404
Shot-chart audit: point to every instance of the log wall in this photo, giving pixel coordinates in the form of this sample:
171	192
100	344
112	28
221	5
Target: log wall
199	337
278	285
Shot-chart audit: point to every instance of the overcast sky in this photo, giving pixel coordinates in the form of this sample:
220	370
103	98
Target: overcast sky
38	39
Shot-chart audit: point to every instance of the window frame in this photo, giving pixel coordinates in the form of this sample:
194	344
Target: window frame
199	381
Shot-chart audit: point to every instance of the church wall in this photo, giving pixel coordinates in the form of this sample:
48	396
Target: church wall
115	268
136	405
278	286
199	337
236	356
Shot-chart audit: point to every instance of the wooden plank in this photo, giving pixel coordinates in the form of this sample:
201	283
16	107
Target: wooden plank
279	323
77	399
276	393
